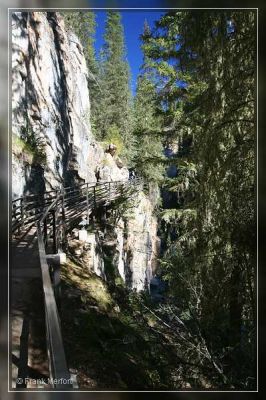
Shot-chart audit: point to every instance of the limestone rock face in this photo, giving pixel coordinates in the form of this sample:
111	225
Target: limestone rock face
142	243
108	171
131	246
51	108
52	142
50	96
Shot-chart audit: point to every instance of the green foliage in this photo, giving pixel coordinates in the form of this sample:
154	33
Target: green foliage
109	79
174	215
120	340
114	107
114	136
149	149
195	95
211	119
20	147
29	147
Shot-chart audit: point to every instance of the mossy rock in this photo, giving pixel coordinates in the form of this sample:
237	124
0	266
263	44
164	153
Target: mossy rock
28	152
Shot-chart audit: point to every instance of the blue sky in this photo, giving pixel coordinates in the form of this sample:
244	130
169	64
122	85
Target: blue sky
133	24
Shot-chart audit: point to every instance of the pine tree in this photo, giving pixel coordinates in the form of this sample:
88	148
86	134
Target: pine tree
114	117
149	151
205	66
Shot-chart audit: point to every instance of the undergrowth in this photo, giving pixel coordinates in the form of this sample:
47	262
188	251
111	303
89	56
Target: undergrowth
114	341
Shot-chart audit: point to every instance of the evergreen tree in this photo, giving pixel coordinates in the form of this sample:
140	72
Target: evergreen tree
205	65
149	150
114	117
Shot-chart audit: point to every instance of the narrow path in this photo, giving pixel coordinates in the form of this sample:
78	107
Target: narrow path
29	354
32	302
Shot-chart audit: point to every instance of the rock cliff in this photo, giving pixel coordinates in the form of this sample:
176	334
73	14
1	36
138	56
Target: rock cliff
52	143
52	139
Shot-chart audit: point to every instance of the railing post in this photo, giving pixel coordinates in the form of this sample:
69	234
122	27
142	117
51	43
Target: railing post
54	232
94	195
22	211
63	231
45	232
87	200
63	202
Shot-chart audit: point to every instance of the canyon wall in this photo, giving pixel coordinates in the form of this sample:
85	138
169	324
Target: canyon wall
52	142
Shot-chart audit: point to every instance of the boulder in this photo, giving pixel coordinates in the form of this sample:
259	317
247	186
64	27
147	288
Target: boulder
111	148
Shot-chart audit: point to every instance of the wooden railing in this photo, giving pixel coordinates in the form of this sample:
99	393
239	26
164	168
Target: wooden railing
53	211
59	374
29	209
75	199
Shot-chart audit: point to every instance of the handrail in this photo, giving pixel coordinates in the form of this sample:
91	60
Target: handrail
99	183
23	207
56	355
57	361
59	372
49	208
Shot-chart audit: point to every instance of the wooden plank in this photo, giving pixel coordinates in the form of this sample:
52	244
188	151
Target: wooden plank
74	205
75	214
74	199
